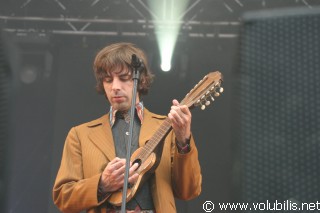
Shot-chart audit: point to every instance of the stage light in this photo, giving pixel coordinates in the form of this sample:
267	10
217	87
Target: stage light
167	16
165	66
166	44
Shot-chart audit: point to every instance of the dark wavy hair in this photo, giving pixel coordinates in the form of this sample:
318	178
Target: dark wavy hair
116	58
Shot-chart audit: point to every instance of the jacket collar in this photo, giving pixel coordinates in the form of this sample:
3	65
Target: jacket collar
139	109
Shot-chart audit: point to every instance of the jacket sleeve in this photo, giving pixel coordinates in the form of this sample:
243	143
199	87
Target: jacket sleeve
186	172
71	192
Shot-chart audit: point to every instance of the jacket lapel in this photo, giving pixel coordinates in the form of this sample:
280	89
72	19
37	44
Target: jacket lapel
149	126
101	136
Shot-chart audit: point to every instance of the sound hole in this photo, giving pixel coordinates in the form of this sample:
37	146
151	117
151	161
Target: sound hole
138	161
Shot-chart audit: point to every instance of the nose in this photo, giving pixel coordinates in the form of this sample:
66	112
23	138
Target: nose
116	83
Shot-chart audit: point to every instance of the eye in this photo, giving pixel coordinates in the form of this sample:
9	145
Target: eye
108	80
125	77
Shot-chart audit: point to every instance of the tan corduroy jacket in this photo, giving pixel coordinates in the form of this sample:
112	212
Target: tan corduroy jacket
89	148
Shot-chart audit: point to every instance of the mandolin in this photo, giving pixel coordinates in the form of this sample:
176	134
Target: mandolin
148	156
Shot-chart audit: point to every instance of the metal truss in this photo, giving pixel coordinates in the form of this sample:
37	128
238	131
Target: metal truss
201	19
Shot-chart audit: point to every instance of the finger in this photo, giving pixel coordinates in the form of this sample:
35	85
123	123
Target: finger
116	165
185	110
121	170
132	175
175	117
175	102
134	167
184	113
133	178
172	118
116	161
181	110
132	171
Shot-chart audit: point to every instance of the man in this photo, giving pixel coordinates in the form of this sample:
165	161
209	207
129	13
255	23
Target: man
93	161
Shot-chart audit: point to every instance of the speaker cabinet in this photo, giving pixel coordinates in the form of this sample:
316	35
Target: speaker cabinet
277	136
5	124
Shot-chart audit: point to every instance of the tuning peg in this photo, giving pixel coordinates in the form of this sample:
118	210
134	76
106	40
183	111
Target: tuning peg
217	91
212	99
203	107
207	103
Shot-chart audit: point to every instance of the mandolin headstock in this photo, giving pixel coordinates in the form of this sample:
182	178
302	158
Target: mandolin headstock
205	91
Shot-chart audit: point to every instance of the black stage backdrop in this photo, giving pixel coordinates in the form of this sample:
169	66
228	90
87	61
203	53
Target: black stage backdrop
269	152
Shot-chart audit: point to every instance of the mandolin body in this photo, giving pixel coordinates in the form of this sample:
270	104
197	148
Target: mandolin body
147	165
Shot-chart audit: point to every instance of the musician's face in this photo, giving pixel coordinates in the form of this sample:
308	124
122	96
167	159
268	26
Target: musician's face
118	87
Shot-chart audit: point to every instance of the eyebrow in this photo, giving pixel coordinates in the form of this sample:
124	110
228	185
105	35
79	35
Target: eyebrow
121	74
124	74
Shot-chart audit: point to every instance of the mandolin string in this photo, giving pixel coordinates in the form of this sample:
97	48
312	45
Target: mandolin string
206	86
192	94
155	139
158	135
165	126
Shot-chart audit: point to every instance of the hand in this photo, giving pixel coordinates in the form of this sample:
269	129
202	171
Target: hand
112	177
180	117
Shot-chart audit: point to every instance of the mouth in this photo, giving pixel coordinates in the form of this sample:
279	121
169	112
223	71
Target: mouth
118	98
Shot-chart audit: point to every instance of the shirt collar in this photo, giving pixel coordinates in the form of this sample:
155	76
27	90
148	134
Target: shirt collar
139	108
